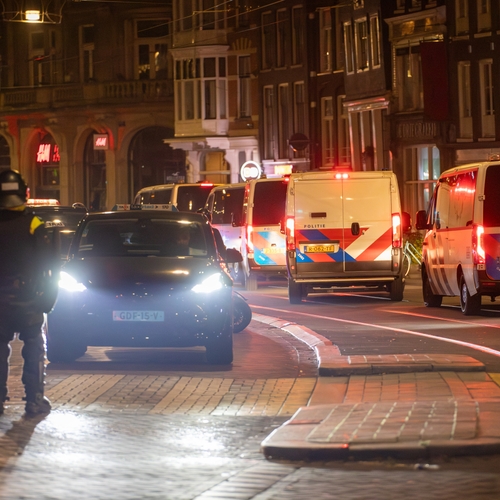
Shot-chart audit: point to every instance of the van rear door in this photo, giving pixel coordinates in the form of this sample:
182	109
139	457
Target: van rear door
343	226
491	222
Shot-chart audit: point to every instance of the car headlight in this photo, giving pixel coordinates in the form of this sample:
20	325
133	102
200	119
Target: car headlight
67	282
210	284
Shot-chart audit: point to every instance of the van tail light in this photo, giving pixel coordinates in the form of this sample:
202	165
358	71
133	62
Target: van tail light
250	238
397	231
478	244
290	233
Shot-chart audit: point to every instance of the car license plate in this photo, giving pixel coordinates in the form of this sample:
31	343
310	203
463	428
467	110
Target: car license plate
330	248
138	316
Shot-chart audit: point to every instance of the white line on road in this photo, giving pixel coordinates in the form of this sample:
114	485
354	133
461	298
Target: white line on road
469	345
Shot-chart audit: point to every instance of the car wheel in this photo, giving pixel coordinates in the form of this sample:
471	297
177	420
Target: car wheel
251	283
220	352
64	352
295	292
396	289
469	304
242	314
237	273
430	298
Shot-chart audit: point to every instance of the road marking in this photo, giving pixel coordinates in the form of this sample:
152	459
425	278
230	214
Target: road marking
441	319
469	345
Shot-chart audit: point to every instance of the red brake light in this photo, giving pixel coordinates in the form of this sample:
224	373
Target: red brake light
290	233
478	244
207	184
249	238
397	234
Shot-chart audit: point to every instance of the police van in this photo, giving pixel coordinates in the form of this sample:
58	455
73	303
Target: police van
344	229
461	248
185	197
263	244
225	206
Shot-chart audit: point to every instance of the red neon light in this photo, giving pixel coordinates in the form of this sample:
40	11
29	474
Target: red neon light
43	153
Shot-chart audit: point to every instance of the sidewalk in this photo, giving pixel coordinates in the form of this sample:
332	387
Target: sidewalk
400	406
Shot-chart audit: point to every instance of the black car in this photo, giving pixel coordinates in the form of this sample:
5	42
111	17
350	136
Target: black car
64	218
143	278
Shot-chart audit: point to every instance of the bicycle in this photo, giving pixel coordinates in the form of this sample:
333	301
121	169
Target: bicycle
411	254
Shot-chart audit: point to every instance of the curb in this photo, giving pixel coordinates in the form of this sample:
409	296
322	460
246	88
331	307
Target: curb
331	363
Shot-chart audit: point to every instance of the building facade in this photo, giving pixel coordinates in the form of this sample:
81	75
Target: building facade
86	99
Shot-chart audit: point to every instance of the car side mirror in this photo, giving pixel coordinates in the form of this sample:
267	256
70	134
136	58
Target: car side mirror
421	222
406	222
233	256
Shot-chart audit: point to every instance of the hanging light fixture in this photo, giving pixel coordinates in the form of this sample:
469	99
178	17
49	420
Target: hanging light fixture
32	11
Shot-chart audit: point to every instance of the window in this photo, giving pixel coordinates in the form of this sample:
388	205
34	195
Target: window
245	97
152	49
464	100
400	4
325	41
209	74
299	108
349	48
483	15
283	122
187	84
268	123
38	66
268	41
87	52
486	90
339	45
281	38
361	33
409	78
375	41
462	16
327	132
344	139
416	4
297	35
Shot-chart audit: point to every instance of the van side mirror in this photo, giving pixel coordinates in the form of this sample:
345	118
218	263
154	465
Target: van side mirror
406	222
421	222
233	256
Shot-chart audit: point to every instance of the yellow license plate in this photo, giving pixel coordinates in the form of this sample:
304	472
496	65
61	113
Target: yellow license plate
321	248
273	250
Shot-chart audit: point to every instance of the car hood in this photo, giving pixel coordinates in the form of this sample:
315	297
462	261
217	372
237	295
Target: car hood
127	272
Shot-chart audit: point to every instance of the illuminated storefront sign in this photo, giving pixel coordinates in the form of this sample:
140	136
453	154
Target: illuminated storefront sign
48	153
101	141
250	170
283	169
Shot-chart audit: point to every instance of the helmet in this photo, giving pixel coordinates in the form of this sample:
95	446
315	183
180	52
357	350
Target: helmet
13	189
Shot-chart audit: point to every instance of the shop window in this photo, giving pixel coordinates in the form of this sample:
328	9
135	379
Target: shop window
47	169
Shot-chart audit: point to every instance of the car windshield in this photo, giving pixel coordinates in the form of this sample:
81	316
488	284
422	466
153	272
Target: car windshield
142	237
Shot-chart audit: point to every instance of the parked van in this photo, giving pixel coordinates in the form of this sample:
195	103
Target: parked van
186	197
344	229
263	244
225	206
461	248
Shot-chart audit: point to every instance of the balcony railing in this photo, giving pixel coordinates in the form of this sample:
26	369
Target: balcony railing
55	96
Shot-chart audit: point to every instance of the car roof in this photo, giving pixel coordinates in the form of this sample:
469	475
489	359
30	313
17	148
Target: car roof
147	214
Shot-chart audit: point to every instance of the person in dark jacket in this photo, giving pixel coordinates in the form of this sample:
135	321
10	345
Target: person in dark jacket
29	270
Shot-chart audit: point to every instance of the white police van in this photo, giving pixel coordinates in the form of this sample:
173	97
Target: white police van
344	229
461	248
